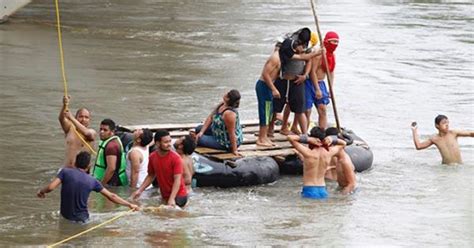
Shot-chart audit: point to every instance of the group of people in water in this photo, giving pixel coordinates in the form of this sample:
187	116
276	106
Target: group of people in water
292	80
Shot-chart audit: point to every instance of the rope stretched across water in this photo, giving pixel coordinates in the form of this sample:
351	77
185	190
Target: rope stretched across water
90	229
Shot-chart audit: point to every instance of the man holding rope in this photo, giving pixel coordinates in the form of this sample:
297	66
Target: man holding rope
76	129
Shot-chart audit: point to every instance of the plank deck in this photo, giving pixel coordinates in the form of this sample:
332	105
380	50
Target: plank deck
248	148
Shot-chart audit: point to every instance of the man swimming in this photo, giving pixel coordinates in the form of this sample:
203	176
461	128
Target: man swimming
316	159
446	140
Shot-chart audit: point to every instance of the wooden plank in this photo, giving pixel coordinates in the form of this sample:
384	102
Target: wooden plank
251	138
245	147
180	126
266	153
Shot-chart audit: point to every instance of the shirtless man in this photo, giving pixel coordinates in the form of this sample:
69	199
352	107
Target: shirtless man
446	140
185	146
343	166
315	91
266	91
315	161
72	126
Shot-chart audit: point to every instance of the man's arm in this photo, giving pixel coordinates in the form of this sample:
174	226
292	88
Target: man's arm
464	133
109	171
419	145
134	156
307	69
117	199
303	150
88	133
148	180
50	187
174	189
271	65
65	124
307	56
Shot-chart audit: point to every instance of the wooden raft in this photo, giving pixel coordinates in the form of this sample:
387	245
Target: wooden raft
248	148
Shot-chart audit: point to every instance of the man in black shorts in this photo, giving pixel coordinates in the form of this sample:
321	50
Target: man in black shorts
293	73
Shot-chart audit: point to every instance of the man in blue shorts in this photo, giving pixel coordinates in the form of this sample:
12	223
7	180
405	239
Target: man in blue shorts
77	185
266	91
316	159
317	93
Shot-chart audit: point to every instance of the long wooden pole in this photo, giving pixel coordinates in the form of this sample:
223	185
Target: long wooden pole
327	67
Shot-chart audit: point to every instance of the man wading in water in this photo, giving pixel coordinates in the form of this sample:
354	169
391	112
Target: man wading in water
72	126
446	140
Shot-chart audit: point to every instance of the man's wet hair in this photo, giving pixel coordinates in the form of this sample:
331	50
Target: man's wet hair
439	118
189	145
108	122
160	134
316	132
304	36
332	131
82	160
146	137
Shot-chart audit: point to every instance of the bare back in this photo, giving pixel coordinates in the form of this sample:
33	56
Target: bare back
315	166
448	147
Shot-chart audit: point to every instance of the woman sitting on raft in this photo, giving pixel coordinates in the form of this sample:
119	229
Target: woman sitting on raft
221	130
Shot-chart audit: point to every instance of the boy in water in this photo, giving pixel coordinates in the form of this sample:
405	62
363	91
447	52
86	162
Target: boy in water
446	140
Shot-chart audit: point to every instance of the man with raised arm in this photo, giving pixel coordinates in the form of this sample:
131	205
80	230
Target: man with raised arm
73	126
316	159
446	140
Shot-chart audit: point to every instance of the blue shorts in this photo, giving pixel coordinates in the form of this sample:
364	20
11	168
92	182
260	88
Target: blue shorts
314	192
310	94
265	103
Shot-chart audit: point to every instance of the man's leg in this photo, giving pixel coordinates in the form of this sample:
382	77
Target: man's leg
284	125
265	109
322	119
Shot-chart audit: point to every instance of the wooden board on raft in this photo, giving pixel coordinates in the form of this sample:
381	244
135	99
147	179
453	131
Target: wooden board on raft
248	148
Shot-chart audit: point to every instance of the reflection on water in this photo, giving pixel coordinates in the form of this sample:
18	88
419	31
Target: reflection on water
145	61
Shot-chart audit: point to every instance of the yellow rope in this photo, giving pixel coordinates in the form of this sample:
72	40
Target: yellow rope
90	229
61	48
84	141
63	71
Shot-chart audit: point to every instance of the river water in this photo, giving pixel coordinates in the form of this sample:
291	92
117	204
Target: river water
147	61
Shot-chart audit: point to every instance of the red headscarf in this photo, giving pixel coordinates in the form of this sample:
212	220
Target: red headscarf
330	48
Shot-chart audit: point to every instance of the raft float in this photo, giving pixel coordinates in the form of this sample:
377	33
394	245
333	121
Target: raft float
257	165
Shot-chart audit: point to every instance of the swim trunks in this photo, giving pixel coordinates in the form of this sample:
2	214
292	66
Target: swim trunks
265	103
310	94
291	92
314	192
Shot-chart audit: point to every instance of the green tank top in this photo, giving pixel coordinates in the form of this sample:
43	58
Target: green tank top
219	130
100	166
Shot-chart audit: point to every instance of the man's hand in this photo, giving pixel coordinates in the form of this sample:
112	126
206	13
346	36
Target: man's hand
171	202
66	100
414	126
40	194
69	115
300	79
135	195
134	207
276	94
319	94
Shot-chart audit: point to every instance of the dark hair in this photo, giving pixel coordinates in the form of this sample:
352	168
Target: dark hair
439	118
316	132
332	131
304	36
82	160
188	145
234	98
160	134
146	137
108	122
80	110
